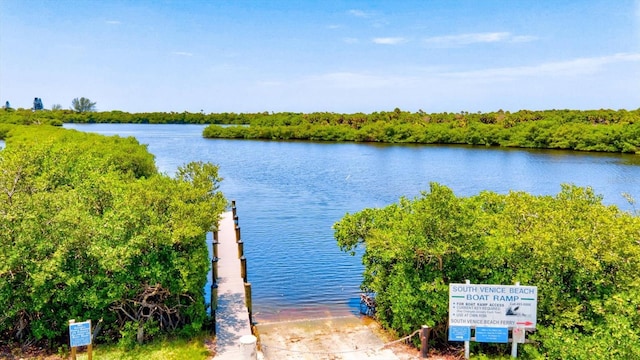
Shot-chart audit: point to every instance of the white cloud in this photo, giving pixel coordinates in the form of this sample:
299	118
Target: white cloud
353	80
113	22
375	19
182	53
433	78
475	38
575	67
560	84
389	40
360	13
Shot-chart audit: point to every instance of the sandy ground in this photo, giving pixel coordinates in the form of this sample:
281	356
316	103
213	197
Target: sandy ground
332	338
342	338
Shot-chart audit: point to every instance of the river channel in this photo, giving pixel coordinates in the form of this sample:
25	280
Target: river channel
289	194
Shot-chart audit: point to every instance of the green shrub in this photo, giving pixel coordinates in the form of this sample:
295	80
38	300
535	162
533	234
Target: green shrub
582	255
91	230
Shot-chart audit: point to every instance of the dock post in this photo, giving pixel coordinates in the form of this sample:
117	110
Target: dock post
240	248
234	212
237	233
248	349
214	258
243	268
249	303
214	305
215	244
214	270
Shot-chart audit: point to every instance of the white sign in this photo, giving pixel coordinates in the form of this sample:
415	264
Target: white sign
493	305
519	335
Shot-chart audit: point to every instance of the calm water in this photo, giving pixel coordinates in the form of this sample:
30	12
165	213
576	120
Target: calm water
290	193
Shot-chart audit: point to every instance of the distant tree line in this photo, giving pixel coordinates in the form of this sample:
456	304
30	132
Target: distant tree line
596	130
584	130
80	115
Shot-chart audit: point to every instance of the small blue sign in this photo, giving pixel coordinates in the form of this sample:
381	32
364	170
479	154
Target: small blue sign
459	333
80	333
492	334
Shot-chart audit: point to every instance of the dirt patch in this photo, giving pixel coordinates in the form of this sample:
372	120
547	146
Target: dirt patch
342	338
26	352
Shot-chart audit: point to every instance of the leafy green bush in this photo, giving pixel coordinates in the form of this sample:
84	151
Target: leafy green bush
582	255
90	230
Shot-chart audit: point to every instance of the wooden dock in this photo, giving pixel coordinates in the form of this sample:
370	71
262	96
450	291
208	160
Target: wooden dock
232	311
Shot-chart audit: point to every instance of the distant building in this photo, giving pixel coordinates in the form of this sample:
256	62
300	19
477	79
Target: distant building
7	105
37	104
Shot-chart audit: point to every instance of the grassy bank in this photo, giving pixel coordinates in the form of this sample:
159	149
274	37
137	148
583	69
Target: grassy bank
174	349
197	348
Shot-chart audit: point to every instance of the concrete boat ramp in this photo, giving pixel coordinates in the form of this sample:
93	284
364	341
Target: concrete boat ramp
346	338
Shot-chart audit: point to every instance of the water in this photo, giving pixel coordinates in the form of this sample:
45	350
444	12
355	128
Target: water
289	194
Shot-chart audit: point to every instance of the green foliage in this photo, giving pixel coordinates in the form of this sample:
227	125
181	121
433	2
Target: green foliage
128	335
602	130
121	117
29	117
164	348
90	230
592	130
583	256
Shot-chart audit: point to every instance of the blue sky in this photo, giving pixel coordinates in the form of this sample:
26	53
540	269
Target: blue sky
306	56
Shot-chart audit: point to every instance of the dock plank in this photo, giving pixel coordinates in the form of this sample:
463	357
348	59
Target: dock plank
232	316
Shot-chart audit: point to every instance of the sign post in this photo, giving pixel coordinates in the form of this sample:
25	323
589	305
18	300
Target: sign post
467	343
492	310
80	335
